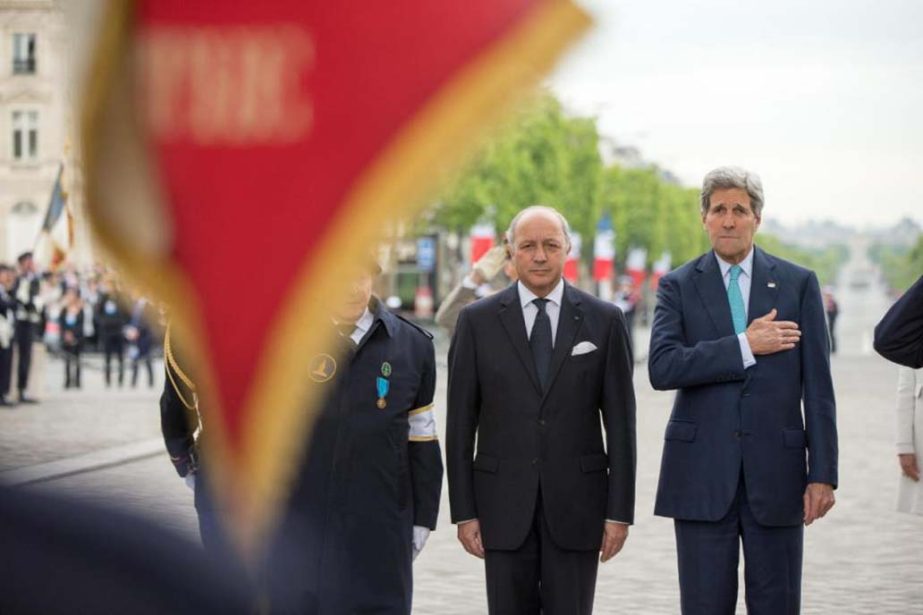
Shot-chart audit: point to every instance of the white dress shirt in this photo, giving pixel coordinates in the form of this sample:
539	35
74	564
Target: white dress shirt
552	308
362	326
744	281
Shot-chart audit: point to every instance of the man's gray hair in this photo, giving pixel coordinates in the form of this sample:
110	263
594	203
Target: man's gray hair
532	209
723	178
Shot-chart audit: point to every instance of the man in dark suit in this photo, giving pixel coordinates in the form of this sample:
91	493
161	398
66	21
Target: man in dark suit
899	335
741	336
531	370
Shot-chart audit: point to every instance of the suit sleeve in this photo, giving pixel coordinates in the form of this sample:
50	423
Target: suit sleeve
423	449
817	387
899	335
906	404
618	408
462	422
672	364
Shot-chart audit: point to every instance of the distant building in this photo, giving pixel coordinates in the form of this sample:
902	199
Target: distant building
34	118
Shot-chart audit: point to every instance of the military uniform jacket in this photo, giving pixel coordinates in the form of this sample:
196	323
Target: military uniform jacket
374	470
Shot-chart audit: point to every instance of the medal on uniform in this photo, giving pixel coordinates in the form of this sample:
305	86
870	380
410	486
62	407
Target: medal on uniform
386	369
383	385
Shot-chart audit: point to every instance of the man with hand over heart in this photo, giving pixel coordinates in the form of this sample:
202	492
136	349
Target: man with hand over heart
741	336
546	492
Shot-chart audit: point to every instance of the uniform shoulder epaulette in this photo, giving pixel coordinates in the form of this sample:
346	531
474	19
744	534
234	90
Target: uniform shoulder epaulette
183	385
415	326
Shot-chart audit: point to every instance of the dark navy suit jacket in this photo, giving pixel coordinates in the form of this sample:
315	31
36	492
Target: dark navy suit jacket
899	335
726	419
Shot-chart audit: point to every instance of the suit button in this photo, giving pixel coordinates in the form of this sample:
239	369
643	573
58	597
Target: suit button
737	434
535	461
541	422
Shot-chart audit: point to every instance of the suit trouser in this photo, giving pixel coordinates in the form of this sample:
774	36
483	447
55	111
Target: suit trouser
25	332
708	554
540	577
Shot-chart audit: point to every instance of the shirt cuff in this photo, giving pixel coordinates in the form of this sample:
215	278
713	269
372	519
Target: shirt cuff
906	448
468	283
745	352
619	522
465	521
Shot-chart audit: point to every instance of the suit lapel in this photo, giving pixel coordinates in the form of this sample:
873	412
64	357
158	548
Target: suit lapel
570	320
763	287
510	314
713	294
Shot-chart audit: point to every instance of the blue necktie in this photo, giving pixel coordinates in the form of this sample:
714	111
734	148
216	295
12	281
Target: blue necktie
736	301
540	342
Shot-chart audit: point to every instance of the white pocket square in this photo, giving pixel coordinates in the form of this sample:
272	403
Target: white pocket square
583	348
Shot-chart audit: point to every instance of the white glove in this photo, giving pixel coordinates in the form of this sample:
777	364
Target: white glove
189	479
420	534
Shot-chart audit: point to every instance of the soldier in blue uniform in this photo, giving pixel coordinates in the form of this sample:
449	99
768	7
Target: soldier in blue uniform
368	492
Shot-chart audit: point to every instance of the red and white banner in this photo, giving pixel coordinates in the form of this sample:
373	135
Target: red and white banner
661	268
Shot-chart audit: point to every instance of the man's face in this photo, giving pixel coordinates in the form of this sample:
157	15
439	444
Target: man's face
26	265
6	278
539	250
730	223
356	299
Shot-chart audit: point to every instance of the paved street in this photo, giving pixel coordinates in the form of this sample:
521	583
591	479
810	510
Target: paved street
863	558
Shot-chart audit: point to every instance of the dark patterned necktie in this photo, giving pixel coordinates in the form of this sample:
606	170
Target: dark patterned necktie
346	331
540	342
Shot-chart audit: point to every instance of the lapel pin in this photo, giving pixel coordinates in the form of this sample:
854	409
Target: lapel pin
771	285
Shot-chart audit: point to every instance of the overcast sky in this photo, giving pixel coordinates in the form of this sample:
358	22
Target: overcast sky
823	99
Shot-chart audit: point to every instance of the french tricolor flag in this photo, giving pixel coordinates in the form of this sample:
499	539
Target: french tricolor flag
604	250
635	265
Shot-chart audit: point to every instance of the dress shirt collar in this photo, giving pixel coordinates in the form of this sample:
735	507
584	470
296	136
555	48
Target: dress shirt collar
746	265
526	296
363	324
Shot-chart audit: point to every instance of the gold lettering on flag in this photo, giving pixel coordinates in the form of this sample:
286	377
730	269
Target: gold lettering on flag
232	86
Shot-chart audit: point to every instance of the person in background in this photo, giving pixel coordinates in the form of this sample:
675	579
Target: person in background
626	299
139	335
475	285
910	439
7	331
70	322
111	320
832	310
26	292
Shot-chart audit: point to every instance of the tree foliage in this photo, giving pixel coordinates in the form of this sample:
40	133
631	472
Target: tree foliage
547	156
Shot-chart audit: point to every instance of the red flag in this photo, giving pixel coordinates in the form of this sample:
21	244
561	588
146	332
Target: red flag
240	155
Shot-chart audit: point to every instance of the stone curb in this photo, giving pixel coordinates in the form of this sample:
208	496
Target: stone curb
88	462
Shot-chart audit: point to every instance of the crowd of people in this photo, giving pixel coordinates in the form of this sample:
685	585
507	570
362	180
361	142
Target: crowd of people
67	312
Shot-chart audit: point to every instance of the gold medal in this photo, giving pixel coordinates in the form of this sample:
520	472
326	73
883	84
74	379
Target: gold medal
382	404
